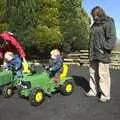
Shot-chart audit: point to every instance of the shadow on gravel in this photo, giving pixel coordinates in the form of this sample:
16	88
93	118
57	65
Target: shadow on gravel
82	82
0	91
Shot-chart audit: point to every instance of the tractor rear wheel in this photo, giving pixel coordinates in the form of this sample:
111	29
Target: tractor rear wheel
67	88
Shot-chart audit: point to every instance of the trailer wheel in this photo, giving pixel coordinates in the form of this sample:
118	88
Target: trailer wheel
7	91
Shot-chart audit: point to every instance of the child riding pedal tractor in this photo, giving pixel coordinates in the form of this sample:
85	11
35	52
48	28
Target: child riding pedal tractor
53	78
55	65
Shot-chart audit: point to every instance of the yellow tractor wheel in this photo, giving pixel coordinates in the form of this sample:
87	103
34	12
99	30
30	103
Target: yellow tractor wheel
37	96
67	88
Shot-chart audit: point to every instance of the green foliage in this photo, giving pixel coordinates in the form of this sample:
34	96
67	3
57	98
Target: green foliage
47	37
34	22
4	26
45	24
74	25
47	31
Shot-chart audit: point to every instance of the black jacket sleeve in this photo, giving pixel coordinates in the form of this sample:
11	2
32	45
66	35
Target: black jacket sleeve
110	34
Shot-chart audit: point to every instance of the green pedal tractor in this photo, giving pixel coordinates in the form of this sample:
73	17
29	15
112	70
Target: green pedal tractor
36	86
6	81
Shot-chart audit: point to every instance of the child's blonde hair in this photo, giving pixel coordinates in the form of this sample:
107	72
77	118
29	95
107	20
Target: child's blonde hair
7	54
55	52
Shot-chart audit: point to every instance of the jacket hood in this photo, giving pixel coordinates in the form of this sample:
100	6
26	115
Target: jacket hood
103	20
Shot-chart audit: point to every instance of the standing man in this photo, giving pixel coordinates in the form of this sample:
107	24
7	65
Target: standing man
102	41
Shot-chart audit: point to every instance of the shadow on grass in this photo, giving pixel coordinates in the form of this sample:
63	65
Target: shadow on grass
82	82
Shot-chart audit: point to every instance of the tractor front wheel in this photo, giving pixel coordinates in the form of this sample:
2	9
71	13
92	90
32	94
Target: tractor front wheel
37	97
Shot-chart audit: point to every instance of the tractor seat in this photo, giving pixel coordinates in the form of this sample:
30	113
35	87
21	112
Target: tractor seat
64	71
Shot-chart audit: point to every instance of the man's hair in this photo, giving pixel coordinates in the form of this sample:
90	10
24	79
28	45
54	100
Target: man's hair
98	11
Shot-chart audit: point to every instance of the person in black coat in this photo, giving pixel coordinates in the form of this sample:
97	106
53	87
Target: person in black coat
102	42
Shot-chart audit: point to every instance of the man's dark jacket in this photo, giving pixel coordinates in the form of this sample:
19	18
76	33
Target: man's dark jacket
102	40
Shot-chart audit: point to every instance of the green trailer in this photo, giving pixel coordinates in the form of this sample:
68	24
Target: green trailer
8	83
6	77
